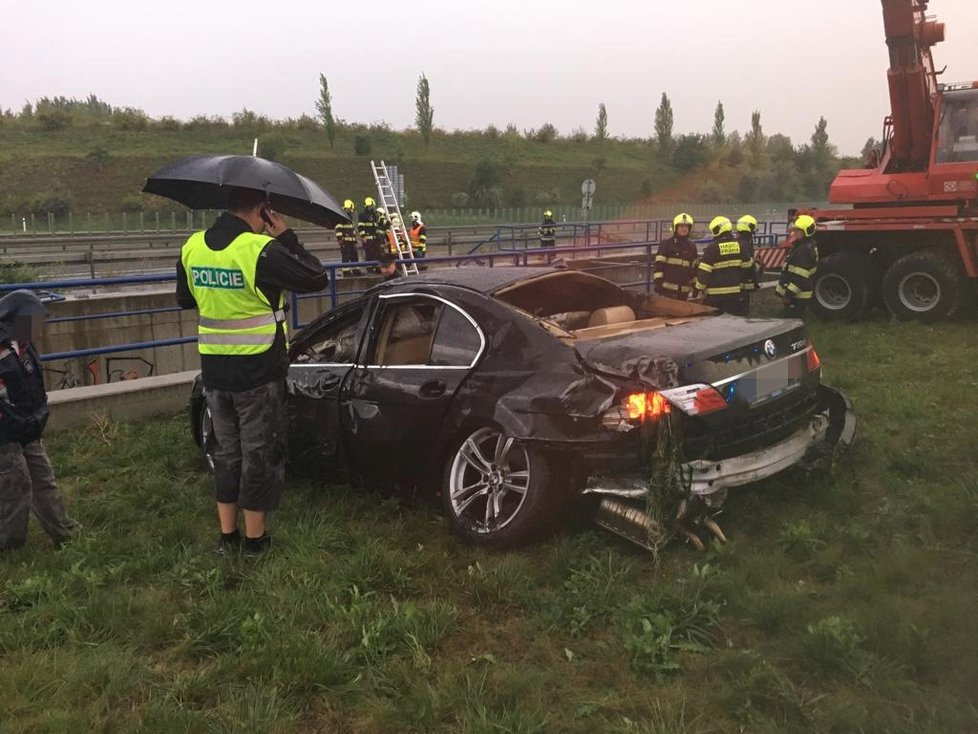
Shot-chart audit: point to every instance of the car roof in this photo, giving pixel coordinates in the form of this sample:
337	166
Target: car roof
481	279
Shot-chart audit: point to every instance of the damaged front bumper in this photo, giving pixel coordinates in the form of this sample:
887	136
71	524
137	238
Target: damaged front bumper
623	496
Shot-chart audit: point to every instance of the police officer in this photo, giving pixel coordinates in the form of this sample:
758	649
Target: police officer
799	268
723	269
346	235
746	228
418	234
236	275
675	260
367	229
27	482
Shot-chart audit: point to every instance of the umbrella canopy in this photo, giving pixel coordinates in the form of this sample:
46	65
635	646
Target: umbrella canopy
206	182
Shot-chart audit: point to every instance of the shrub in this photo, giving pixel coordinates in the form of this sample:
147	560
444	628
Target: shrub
53	119
132	203
169	123
579	135
546	134
98	157
273	146
130	118
460	199
362	146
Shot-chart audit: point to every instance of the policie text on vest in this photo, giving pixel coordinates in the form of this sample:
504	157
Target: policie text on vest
217	278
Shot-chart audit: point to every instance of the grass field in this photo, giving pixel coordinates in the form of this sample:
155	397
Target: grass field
844	602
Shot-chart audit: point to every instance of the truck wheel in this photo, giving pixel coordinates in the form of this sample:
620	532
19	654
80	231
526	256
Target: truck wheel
499	492
841	287
923	286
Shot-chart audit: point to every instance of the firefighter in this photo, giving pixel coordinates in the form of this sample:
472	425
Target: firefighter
367	229
383	229
746	228
798	271
675	267
236	274
548	232
418	235
346	235
723	270
392	235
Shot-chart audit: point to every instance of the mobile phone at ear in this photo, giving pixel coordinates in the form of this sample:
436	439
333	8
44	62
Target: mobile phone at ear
264	215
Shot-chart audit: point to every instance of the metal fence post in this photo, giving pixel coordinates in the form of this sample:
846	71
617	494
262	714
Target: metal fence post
125	223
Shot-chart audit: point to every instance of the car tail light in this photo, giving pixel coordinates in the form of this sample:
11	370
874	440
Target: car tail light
813	360
696	399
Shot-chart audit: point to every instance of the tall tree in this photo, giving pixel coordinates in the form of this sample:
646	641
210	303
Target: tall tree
755	139
663	127
601	125
822	150
324	106
719	135
425	112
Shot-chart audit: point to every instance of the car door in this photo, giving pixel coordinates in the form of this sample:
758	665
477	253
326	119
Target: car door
321	360
420	350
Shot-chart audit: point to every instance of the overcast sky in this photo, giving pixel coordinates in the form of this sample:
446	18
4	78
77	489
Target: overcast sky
497	62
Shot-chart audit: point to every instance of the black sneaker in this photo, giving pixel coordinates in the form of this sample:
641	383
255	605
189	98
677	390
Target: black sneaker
228	543
254	547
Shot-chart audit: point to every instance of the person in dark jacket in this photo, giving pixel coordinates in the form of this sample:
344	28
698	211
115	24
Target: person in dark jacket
799	268
367	231
675	261
27	482
236	275
723	270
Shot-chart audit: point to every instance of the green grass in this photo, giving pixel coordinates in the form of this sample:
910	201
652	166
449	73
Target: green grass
843	603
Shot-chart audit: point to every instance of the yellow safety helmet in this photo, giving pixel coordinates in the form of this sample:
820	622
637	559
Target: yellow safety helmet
682	218
747	223
369	202
548	213
719	226
348	204
805	223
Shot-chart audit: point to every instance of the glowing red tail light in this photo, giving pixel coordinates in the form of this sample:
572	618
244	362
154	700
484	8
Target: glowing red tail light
813	360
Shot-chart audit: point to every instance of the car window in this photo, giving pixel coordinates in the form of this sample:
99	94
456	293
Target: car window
406	332
336	343
457	342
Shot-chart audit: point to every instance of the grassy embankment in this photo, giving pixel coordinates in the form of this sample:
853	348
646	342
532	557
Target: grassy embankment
34	161
844	601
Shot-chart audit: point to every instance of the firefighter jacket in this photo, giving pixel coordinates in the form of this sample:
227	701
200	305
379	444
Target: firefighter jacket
675	267
548	232
753	282
345	234
367	226
383	225
798	271
235	317
419	236
723	270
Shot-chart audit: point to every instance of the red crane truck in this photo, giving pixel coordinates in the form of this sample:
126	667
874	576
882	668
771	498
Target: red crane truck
909	235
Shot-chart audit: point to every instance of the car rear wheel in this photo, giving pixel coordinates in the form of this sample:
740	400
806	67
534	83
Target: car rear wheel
497	491
923	286
842	287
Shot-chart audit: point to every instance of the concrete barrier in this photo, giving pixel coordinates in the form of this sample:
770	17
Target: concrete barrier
150	396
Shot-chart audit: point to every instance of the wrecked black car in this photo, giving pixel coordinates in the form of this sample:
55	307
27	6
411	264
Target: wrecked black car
512	392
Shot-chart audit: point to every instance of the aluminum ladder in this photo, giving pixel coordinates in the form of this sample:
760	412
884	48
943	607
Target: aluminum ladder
387	198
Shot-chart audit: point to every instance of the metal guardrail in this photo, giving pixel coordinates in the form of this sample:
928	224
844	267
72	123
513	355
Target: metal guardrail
506	257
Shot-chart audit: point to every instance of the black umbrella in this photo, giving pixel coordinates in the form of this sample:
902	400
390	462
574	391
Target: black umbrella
206	182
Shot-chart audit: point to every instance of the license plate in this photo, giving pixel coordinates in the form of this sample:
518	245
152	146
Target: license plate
770	381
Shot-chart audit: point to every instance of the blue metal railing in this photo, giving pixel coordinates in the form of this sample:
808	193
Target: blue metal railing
586	238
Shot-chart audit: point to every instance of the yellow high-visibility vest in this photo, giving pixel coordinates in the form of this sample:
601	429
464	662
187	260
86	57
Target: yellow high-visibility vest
235	318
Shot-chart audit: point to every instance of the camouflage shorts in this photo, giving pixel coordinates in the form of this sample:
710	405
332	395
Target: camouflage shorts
248	445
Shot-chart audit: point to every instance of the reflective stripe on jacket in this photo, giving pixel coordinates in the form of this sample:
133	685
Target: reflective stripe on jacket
724	269
345	233
798	271
235	316
675	267
367	227
548	231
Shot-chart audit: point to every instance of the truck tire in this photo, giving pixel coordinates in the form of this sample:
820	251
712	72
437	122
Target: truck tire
923	286
842	287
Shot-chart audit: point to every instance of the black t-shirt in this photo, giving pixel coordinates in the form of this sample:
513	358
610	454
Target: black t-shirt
282	265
